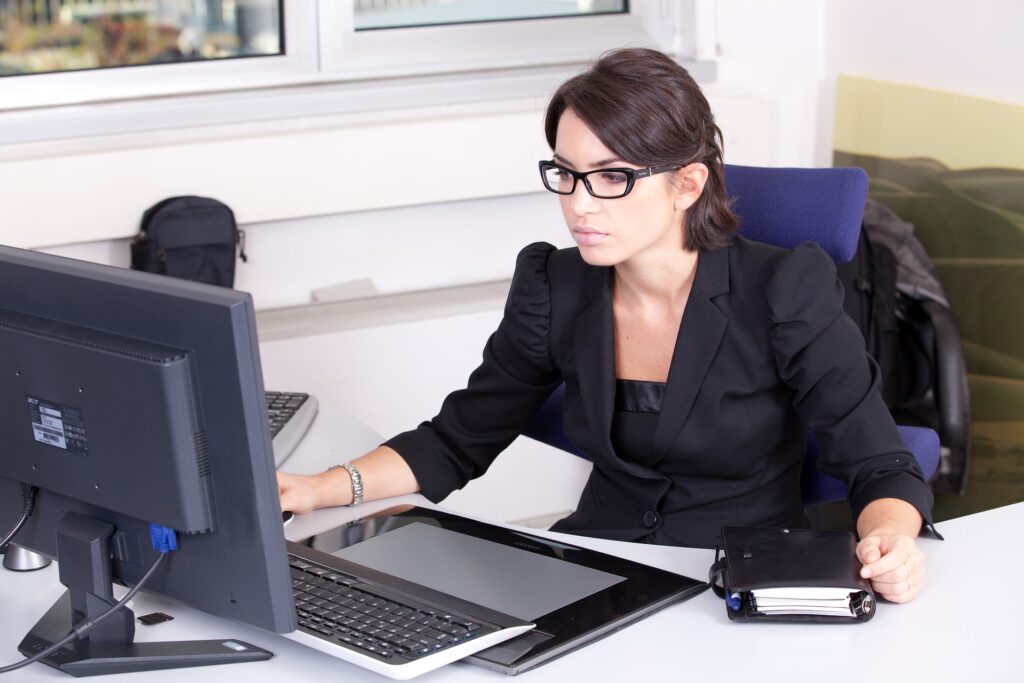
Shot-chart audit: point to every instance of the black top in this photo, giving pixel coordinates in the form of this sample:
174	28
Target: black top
637	406
764	352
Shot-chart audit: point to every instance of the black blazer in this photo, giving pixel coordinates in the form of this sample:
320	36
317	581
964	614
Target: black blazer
764	351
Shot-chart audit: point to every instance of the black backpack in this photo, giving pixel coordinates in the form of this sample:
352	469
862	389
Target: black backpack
193	238
890	322
916	343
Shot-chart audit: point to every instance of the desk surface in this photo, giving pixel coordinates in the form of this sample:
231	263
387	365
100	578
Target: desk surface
950	632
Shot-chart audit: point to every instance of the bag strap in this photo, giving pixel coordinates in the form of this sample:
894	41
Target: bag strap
716	574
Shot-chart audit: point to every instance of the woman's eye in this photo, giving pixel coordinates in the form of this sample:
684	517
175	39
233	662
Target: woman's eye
613	178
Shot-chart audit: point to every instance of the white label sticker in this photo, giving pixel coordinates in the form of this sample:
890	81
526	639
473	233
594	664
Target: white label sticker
58	425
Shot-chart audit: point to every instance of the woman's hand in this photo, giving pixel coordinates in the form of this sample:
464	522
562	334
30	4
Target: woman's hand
894	565
887	528
301	493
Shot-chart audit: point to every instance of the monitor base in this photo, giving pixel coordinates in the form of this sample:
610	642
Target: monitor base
88	659
18	559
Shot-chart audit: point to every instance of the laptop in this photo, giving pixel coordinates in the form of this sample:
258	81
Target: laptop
501	599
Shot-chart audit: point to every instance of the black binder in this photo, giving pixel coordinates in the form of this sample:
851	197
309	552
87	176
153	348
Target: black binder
794	575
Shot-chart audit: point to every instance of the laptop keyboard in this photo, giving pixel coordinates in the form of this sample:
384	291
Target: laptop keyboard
289	415
393	629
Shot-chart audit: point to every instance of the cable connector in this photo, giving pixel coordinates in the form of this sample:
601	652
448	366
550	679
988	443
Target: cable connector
28	493
162	537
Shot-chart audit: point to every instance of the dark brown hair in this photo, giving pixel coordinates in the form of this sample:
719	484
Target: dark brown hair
649	111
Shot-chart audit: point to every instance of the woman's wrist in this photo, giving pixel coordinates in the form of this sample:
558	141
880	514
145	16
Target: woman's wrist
334	487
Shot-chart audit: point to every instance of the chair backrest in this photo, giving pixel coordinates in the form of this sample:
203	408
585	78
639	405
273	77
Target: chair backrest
786	207
789	206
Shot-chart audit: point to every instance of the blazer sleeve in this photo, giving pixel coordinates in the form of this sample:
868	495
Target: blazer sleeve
502	395
821	355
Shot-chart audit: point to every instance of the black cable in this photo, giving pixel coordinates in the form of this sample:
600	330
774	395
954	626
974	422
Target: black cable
83	628
29	494
11	534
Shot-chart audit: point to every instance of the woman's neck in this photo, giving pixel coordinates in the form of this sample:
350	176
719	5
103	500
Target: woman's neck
656	282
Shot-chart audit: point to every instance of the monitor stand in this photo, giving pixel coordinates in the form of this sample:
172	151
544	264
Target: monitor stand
83	559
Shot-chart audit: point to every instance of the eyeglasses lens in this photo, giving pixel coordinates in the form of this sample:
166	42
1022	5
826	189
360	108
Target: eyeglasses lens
608	184
558	180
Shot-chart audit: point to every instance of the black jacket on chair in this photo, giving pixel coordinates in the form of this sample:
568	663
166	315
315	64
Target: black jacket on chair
764	352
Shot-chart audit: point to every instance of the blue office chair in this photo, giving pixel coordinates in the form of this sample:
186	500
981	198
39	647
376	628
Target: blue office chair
786	207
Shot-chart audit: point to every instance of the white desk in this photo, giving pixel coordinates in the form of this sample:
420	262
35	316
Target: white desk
952	632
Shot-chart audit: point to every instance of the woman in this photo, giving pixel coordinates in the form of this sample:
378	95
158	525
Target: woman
693	421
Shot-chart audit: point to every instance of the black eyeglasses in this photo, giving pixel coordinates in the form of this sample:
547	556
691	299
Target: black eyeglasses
603	183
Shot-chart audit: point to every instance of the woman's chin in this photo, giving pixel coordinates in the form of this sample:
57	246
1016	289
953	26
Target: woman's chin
596	256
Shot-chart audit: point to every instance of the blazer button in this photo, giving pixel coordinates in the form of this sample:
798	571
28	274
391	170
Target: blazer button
650	519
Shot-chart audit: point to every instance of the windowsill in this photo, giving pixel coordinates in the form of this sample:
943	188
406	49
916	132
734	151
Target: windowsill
383	309
27	128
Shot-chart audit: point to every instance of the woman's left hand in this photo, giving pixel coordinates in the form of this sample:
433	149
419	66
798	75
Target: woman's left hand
894	565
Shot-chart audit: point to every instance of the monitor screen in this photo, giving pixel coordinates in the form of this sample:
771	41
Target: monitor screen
130	398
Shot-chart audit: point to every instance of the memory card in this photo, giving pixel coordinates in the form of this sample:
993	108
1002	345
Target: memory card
155	618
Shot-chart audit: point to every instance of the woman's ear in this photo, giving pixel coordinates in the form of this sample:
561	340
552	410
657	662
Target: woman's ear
689	183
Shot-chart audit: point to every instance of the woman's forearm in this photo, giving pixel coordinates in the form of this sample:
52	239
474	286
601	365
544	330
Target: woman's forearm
383	471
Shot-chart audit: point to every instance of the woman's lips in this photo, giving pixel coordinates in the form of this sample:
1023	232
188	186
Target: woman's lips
587	236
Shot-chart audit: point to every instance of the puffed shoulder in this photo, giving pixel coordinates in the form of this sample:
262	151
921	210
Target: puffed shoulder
803	287
527	320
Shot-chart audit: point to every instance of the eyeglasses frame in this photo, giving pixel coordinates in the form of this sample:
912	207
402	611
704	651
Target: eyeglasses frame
632	174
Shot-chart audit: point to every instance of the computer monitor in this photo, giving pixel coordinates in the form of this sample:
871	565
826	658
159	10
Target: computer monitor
130	398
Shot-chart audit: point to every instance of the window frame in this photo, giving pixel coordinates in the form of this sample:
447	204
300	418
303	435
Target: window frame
483	62
136	82
381	53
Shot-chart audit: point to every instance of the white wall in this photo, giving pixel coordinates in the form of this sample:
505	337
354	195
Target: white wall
967	48
775	51
970	48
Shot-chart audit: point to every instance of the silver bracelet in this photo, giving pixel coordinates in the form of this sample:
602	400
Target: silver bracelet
357	482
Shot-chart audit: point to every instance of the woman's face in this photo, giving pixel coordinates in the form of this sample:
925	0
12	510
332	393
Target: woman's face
646	222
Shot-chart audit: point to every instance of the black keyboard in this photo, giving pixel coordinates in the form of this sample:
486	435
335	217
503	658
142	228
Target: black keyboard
289	415
379	623
281	407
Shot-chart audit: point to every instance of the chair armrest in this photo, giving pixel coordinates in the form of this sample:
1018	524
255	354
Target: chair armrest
951	390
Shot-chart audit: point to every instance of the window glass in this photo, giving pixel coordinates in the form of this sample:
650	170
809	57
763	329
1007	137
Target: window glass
375	14
40	36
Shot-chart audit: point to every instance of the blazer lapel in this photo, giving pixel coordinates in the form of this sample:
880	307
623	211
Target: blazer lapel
594	342
700	334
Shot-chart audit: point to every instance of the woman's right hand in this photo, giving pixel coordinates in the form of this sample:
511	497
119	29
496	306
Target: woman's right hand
301	493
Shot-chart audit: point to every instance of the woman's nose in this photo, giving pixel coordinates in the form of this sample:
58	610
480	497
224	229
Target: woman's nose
582	201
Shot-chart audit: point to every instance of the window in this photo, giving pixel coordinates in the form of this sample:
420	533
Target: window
387	14
189	70
72	35
456	36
